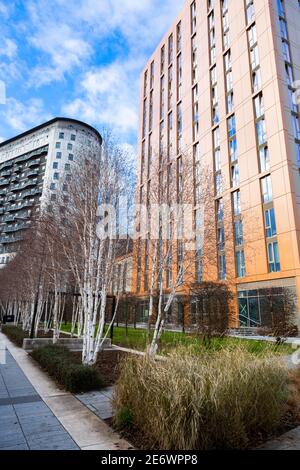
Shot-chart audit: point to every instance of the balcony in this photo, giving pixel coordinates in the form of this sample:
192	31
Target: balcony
34	163
10	239
5	173
32	192
4	182
12	197
24	184
7	164
18	206
32	173
16	227
8	218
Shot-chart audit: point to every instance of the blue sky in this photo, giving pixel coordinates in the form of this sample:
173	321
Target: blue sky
79	58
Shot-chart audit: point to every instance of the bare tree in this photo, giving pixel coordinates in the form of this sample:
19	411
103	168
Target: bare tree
85	217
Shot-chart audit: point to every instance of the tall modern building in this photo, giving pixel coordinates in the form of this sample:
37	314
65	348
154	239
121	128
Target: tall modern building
31	166
221	88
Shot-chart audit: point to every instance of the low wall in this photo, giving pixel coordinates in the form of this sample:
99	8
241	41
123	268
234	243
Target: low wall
73	344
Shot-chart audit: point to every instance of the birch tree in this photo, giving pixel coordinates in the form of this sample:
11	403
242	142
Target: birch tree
86	214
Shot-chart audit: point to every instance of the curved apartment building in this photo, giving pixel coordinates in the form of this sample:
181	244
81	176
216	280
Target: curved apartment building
31	165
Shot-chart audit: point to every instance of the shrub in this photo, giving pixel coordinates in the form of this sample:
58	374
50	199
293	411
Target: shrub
15	334
218	400
66	369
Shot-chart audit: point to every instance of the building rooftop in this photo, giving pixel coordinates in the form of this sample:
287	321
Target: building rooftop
49	123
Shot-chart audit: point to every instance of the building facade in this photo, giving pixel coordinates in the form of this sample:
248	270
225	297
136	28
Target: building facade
222	88
31	166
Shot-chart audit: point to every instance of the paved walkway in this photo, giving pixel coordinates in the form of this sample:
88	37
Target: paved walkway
288	441
26	422
99	402
43	406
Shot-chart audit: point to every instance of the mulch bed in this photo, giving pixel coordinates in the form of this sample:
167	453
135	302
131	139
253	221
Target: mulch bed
108	364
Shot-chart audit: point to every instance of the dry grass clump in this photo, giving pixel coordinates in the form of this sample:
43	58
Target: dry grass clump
218	400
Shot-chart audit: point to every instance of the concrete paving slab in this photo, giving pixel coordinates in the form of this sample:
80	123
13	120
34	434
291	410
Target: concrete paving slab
83	426
23	446
288	441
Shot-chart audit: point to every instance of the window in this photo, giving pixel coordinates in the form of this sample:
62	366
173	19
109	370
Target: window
283	29
61	135
162	59
145	82
264	159
53	197
221	239
298	154
56	176
171	49
170	128
286	51
233	150
266	189
254	57
217	160
179	38
170	87
235	175
281	8
52	186
70	147
193	18
73	137
261	132
219	184
179	77
55	165
220	210
231	126
152	75
238	233
296	125
236	197
71	157
273	256
58	145
179	128
67	166
256	80
270	223
151	111
194	60
289	74
259	106
222	266
250	12
213	76
195	112
145	117
58	155
252	36
216	137
240	264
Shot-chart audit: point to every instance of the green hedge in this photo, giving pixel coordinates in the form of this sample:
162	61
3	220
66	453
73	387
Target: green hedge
15	334
66	369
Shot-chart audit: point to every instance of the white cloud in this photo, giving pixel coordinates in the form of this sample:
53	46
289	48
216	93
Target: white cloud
109	95
2	139
68	40
4	10
22	116
65	50
8	48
